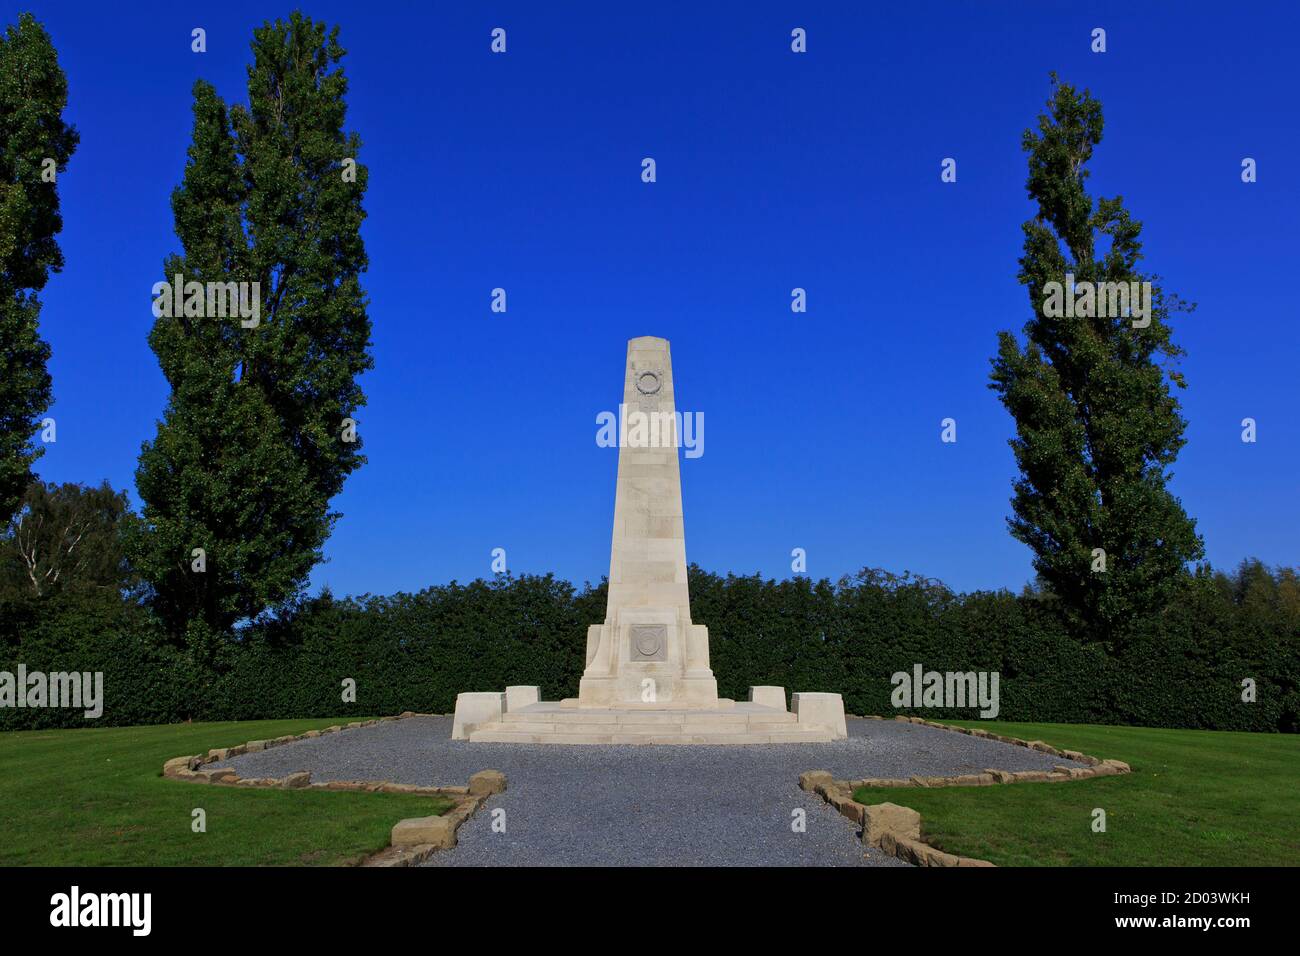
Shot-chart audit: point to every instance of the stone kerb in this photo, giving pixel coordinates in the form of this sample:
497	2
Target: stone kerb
896	830
415	839
893	829
412	840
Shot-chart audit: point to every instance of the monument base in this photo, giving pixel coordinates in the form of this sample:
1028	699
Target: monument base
550	722
717	703
670	690
648	654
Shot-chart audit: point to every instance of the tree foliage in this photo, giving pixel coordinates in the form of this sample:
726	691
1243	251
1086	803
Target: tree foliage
1097	424
1183	668
253	444
66	537
35	145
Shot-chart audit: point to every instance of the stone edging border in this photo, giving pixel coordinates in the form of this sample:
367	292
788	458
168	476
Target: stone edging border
896	830
413	840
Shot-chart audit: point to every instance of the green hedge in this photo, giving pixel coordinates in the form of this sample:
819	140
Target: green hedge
417	651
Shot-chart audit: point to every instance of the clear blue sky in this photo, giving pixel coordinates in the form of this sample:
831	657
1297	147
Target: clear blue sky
775	170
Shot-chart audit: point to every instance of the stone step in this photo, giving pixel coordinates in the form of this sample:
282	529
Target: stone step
699	725
746	723
807	737
581	717
774	717
499	734
666	719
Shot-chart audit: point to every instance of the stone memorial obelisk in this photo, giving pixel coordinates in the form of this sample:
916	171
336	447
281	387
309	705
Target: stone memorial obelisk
647	678
648	651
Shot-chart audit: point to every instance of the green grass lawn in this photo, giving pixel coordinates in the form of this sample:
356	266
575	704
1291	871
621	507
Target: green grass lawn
1194	798
97	797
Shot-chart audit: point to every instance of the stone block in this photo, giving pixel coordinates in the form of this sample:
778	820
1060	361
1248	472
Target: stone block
1031	776
820	710
884	782
424	831
296	781
810	780
848	807
487	781
473	709
464	810
768	696
522	695
915	852
940	858
888	843
881	818
400	788
215	776
1073	773
177	767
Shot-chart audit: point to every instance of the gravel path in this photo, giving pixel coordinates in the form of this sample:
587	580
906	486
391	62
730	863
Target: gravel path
645	806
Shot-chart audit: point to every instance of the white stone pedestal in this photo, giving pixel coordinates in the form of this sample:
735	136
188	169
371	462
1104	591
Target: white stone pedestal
473	709
521	695
768	696
820	710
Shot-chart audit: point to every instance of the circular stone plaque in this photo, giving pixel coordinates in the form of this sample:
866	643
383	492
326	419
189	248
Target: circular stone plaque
647	383
648	643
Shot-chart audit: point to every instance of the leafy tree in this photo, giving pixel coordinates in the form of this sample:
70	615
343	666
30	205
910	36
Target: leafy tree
1269	599
35	145
64	538
254	443
1097	425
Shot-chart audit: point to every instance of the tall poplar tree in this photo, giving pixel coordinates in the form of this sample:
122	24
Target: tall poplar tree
258	434
35	145
1097	424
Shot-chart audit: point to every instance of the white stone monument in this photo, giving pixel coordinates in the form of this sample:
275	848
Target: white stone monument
648	651
647	676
